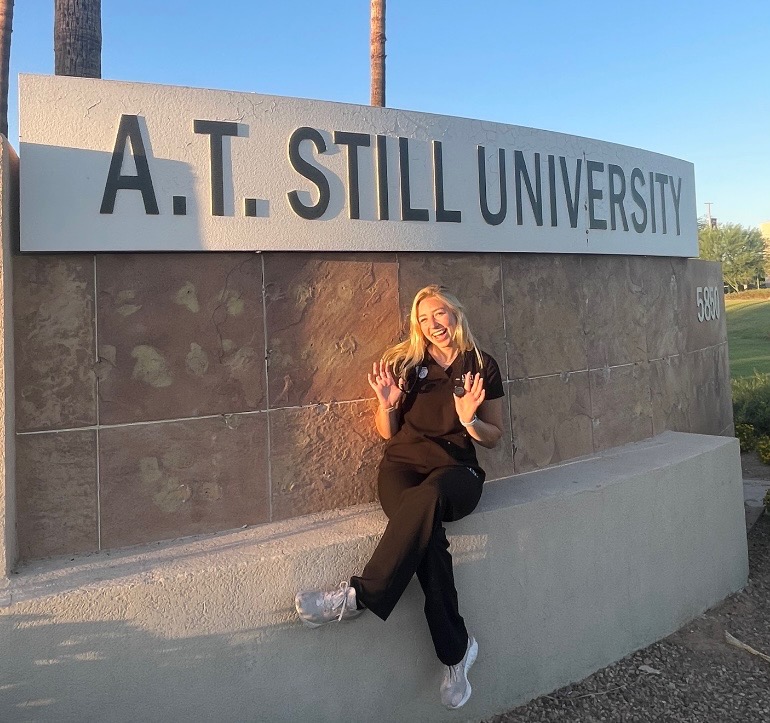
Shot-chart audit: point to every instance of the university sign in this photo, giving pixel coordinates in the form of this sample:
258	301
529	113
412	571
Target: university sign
111	166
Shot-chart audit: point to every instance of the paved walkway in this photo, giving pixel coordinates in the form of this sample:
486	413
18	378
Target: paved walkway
694	675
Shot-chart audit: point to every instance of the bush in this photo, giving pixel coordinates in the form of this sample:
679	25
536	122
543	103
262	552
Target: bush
751	403
763	447
750	294
746	436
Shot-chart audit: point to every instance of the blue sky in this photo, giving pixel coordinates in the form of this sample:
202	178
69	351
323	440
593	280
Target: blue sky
685	79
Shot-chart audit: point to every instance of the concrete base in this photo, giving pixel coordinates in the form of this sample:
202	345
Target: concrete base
560	572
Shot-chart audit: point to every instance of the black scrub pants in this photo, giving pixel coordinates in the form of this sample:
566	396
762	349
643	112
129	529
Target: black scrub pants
414	541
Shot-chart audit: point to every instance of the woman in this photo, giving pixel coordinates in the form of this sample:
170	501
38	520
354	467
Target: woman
437	394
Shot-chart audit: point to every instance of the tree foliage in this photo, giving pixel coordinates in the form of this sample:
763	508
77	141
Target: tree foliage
741	251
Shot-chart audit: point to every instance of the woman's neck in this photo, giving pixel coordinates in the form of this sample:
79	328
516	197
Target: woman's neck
444	357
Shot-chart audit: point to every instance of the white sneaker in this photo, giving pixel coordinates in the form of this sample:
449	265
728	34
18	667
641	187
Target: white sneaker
456	688
318	607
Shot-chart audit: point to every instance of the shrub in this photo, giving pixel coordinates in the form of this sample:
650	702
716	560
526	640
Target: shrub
763	447
746	436
750	294
751	402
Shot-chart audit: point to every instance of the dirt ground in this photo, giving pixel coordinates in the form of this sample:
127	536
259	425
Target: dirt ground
753	467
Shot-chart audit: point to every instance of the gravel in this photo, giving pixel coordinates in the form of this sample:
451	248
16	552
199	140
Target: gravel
692	676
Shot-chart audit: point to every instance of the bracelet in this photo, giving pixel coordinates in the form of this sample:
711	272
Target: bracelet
471	423
388	409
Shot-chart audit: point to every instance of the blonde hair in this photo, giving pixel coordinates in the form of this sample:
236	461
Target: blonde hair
408	354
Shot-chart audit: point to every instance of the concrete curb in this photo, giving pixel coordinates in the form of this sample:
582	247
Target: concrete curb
754	491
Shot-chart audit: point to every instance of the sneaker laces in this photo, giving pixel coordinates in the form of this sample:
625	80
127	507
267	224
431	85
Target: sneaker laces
333	602
454	671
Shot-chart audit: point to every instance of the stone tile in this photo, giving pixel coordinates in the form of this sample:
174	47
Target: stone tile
661	280
614	311
56	494
329	316
672	393
323	457
180	335
472	278
53	309
708	332
711	410
724	392
621	405
544	311
551	419
160	481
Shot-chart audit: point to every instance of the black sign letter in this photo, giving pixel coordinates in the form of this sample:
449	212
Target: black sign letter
352	141
594	194
216	130
301	166
382	178
442	214
676	192
662	180
652	203
407	212
535	197
128	130
638	177
573	202
617	197
493	219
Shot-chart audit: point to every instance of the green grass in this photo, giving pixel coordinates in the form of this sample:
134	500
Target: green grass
748	334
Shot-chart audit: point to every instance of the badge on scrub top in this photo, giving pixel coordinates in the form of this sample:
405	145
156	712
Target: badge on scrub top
422	372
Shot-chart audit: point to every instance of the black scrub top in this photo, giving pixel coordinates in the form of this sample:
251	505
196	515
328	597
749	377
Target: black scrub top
431	435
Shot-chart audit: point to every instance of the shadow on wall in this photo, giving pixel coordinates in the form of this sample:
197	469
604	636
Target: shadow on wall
140	202
119	670
62	576
104	670
164	642
116	671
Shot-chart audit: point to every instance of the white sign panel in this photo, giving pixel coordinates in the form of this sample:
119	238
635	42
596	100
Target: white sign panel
111	166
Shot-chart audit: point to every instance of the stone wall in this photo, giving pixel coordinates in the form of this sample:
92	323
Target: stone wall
164	395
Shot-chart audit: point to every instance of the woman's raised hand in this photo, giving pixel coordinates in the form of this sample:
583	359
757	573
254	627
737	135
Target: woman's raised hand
384	384
467	405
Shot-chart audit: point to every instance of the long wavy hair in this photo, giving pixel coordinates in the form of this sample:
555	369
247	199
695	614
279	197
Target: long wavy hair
409	353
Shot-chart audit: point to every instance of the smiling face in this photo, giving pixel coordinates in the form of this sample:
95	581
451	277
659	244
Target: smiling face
437	322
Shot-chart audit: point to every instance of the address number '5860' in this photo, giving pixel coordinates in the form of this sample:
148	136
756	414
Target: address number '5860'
707	301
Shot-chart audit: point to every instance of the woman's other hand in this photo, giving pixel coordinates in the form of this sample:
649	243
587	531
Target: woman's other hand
467	405
388	396
482	420
385	385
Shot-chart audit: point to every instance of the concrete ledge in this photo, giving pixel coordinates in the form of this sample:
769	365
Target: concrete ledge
560	572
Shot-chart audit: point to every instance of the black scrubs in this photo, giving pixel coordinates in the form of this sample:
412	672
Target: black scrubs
429	475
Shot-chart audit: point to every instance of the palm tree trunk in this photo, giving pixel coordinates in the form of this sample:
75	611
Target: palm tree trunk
6	26
77	38
377	52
